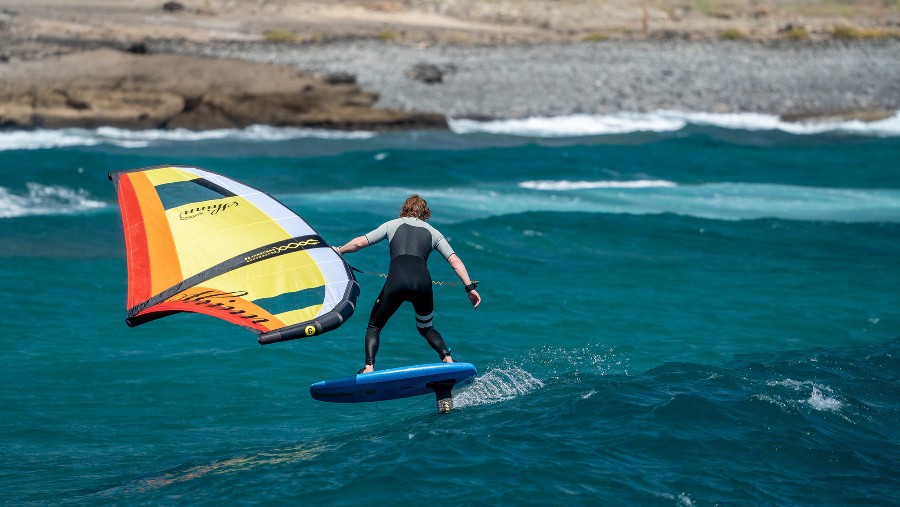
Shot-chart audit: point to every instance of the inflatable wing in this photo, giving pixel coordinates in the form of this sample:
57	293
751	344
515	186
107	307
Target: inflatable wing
200	242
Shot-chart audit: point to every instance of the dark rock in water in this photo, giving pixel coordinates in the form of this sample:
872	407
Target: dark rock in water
138	48
173	7
340	78
428	73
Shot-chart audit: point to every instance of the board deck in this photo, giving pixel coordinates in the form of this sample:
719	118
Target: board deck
393	383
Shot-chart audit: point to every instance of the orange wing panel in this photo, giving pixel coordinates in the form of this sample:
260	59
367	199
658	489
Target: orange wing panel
165	270
227	306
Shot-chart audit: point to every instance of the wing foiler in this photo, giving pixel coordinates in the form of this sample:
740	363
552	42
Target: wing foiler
200	242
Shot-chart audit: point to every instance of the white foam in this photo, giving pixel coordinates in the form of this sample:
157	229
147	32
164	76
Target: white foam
819	401
46	139
556	126
496	385
574	125
820	397
670	121
46	200
563	185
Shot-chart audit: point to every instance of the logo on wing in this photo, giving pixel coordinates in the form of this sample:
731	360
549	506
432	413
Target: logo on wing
211	209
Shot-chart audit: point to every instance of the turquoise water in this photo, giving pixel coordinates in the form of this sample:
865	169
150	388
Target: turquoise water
699	315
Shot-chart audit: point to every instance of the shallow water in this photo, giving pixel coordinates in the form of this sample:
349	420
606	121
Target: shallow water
696	315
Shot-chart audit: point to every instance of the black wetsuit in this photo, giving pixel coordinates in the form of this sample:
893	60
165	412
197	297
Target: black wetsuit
411	241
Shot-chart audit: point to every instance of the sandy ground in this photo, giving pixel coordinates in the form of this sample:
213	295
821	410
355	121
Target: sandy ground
434	21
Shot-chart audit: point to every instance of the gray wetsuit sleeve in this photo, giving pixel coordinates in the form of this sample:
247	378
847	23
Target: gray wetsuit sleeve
443	246
378	234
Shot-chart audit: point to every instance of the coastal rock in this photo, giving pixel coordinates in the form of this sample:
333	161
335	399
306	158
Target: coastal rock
173	7
111	88
429	73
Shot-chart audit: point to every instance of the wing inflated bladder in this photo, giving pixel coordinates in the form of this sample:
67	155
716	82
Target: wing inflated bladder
200	242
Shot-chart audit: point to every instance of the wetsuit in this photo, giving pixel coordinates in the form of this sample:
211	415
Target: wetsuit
411	241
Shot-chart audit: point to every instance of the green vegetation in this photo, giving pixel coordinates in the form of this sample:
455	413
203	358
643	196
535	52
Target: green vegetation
732	34
390	36
595	37
281	35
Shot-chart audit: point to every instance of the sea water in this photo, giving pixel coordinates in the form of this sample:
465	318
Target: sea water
678	310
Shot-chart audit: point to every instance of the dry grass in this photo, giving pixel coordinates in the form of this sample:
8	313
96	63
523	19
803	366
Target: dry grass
854	33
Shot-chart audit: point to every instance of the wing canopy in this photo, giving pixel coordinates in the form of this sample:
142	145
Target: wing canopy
200	242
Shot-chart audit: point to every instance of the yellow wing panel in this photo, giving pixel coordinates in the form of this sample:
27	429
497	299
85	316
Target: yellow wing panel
165	175
210	232
291	287
273	277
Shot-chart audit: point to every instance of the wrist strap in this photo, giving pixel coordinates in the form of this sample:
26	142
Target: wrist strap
471	286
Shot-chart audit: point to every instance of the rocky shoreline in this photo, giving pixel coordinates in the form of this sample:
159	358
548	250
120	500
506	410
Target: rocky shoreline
162	91
387	66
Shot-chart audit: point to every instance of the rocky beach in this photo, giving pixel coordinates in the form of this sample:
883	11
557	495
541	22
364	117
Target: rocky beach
399	65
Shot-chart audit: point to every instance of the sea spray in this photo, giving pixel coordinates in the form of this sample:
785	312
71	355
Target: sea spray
496	385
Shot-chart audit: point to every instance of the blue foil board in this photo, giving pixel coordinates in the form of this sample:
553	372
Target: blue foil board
391	384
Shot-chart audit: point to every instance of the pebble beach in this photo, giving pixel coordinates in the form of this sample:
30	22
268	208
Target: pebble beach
518	81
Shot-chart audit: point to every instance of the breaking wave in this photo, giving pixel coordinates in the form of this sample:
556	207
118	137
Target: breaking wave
670	121
46	138
46	200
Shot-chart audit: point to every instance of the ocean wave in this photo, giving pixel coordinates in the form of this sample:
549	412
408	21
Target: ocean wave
669	121
46	200
47	139
574	125
587	185
730	201
713	201
820	398
578	125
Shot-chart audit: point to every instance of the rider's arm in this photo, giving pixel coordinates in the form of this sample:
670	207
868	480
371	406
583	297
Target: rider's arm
457	264
353	245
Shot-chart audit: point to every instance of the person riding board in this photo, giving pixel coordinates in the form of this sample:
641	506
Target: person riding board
411	240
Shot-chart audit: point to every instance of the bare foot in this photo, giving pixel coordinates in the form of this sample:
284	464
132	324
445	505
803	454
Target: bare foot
448	359
367	369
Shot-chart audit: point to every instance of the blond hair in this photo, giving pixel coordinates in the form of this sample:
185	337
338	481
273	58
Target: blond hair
415	207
